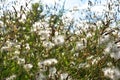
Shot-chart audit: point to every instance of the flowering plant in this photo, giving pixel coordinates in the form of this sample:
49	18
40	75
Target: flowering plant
35	45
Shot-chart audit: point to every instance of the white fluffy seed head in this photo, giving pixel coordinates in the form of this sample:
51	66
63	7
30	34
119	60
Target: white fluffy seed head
113	73
28	66
59	40
47	62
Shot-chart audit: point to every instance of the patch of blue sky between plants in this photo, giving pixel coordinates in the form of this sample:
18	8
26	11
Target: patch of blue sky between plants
8	5
69	4
78	5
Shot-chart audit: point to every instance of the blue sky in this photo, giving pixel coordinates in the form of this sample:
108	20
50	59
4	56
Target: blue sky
70	4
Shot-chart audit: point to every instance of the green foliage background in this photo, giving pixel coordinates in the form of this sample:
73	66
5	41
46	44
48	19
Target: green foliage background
65	53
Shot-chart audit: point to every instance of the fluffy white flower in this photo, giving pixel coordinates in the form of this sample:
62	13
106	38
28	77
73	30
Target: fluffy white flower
27	46
59	40
81	65
112	73
48	44
56	33
115	52
23	18
28	66
116	56
77	32
36	26
48	62
21	60
109	64
104	39
99	23
79	46
44	34
95	60
88	35
8	46
118	33
16	52
76	55
40	76
5	48
63	76
52	71
17	46
10	43
11	77
107	50
115	32
90	57
1	24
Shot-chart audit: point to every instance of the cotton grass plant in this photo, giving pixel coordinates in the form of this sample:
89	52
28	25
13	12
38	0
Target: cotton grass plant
42	47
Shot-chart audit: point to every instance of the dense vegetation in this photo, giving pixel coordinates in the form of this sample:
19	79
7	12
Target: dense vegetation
36	44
